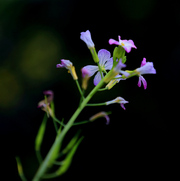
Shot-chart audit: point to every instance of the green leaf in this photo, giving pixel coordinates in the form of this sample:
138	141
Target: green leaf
20	169
67	161
71	143
40	135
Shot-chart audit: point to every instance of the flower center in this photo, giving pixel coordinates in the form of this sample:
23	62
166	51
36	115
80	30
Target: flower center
122	44
103	68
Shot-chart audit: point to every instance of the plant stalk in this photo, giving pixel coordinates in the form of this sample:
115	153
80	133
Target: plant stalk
47	163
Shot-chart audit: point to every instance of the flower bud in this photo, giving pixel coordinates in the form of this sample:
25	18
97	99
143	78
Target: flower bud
119	100
99	115
118	53
85	78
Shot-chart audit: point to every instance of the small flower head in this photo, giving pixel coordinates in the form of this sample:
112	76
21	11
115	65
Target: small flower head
99	115
146	68
105	62
45	104
86	37
69	66
126	44
118	100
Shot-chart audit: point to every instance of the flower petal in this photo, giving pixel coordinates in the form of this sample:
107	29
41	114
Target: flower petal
97	78
86	37
142	79
148	68
139	82
128	44
109	64
122	105
119	66
143	62
103	56
144	82
112	41
91	69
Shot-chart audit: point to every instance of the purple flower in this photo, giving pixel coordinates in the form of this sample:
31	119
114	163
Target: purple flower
105	63
65	64
126	44
45	104
86	37
118	68
146	68
120	100
68	65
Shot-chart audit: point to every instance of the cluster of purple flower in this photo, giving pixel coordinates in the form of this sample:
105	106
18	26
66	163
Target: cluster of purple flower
107	63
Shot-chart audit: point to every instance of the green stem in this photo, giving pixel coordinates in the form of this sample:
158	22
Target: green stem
48	161
39	156
55	125
97	104
103	89
79	88
82	122
57	120
100	70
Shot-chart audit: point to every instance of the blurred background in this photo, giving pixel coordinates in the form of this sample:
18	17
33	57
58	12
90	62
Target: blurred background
139	142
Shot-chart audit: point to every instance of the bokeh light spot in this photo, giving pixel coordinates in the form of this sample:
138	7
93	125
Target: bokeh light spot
10	89
39	56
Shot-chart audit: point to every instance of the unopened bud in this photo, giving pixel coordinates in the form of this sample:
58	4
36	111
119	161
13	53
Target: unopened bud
99	115
85	78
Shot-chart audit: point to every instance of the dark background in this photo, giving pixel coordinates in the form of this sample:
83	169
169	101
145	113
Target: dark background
140	142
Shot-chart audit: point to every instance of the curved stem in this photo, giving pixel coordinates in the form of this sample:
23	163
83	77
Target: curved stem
98	104
79	88
82	122
103	89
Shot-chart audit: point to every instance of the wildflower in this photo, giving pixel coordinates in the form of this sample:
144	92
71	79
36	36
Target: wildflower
45	104
146	68
68	65
126	44
105	63
86	37
99	115
118	100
